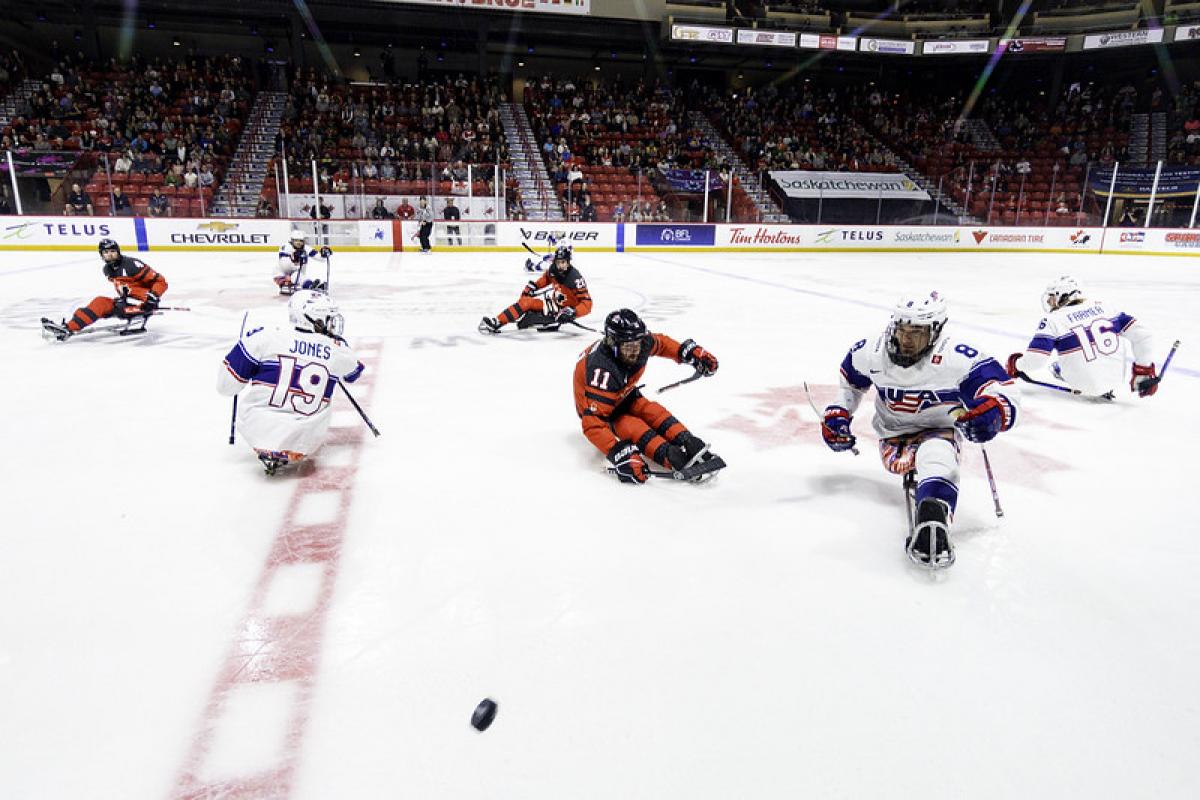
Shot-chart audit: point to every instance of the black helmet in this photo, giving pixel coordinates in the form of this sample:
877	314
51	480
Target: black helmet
108	244
563	252
622	326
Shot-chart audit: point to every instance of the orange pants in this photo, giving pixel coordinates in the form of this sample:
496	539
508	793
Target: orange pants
99	308
516	310
648	425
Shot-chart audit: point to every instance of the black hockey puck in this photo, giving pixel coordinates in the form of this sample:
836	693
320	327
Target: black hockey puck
484	713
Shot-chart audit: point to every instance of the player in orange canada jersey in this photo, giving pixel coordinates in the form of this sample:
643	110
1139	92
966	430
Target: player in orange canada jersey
558	296
616	418
139	290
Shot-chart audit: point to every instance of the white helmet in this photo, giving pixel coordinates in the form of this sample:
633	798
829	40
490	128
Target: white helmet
1061	291
928	311
315	312
298	235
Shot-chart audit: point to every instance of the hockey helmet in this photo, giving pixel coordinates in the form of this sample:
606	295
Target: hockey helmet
909	316
298	236
315	312
1062	291
562	253
624	327
109	246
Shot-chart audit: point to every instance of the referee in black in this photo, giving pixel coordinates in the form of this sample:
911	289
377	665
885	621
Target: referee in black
425	220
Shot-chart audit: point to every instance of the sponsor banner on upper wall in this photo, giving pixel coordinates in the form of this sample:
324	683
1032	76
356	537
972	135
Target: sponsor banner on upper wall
954	46
767	38
1187	33
1123	38
575	7
812	184
67	233
701	33
682	235
1153	241
1135	182
822	41
896	46
1033	44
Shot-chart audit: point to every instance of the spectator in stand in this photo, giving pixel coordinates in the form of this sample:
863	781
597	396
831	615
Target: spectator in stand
264	210
451	213
587	211
124	164
405	209
619	211
326	211
635	212
380	210
5	205
78	203
206	177
120	203
662	213
1060	206
159	206
1128	218
190	179
387	171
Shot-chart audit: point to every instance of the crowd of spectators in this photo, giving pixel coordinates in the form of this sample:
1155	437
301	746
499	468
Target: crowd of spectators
410	132
1183	141
157	122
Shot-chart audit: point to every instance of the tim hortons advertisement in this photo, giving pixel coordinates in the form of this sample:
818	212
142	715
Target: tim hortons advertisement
1123	38
67	233
810	184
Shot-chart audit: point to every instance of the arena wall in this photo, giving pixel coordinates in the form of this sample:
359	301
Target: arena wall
137	234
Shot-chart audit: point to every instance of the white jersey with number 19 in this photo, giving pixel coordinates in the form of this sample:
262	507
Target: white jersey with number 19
285	378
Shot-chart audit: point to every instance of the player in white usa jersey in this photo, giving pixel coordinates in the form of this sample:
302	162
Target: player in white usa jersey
932	389
285	378
293	258
1086	335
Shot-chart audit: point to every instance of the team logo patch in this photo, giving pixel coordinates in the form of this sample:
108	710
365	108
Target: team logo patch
936	359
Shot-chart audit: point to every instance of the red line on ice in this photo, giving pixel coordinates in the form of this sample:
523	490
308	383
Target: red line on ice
269	648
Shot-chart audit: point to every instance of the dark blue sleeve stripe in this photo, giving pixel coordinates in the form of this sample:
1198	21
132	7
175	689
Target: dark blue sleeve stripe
353	374
241	363
856	378
1041	344
983	373
1068	342
1122	321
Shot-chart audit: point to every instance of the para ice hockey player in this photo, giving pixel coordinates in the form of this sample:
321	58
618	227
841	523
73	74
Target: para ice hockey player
139	290
616	418
285	378
932	389
1086	335
558	296
293	258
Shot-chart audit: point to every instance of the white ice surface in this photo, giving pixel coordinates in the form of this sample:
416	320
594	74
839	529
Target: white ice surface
762	636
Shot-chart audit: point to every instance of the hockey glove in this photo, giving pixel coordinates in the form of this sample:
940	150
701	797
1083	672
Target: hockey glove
1144	380
698	357
297	256
565	315
150	304
628	462
325	251
981	423
531	289
835	427
1011	368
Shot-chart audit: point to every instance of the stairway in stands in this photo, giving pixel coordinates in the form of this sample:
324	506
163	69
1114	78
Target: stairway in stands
747	180
238	195
12	101
1139	139
527	167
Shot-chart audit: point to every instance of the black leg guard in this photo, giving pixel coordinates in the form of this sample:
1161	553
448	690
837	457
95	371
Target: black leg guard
930	546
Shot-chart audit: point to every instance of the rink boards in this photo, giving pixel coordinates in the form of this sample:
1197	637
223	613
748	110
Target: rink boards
191	234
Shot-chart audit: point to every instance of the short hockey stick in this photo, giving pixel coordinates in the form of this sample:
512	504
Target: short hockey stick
233	415
910	491
695	376
1157	379
586	328
820	416
358	408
